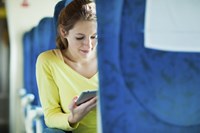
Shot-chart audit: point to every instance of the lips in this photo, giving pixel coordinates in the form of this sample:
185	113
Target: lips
85	51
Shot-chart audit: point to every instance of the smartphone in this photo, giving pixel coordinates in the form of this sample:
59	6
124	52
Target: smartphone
85	96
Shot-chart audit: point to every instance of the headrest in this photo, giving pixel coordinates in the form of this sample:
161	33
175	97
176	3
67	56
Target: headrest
58	7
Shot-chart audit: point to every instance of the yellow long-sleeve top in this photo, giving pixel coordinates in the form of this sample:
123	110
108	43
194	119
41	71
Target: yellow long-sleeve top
58	84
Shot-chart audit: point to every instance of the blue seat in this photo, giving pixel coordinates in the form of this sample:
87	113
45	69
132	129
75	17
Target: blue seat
58	7
27	50
145	90
39	39
44	39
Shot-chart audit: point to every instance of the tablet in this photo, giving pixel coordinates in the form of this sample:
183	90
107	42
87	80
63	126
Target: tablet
85	96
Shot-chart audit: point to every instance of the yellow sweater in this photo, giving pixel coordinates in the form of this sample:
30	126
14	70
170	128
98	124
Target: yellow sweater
58	84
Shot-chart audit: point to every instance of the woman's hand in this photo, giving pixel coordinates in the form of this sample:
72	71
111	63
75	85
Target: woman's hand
78	112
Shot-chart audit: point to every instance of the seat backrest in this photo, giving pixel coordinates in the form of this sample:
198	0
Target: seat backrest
39	39
58	7
145	90
27	54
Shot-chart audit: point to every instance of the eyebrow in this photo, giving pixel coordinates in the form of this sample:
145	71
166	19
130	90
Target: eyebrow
84	34
79	34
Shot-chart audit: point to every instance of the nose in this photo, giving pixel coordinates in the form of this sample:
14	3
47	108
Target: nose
87	43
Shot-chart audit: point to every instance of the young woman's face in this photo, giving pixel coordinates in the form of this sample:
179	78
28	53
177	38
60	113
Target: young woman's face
82	39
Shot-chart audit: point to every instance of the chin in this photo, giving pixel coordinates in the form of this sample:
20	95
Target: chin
85	56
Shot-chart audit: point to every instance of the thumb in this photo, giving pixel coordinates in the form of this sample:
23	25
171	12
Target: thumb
72	105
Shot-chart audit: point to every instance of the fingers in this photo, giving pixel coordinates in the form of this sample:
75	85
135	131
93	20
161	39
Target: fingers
72	105
78	112
93	100
90	104
91	107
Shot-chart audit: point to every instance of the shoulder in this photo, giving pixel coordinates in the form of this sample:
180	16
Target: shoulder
45	57
45	54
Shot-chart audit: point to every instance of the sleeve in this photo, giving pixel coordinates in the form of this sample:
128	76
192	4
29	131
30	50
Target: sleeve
49	97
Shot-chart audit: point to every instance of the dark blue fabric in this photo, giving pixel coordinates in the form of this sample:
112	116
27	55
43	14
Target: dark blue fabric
67	2
38	39
26	42
59	6
143	90
27	50
46	40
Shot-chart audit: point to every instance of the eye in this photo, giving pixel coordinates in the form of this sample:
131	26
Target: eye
94	37
79	38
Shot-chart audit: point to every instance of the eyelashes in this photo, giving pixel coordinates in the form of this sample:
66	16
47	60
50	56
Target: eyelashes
81	38
94	37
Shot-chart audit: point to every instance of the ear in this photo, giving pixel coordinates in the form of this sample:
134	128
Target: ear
62	31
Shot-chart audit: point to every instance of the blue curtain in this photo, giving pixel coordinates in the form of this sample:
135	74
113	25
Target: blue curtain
143	90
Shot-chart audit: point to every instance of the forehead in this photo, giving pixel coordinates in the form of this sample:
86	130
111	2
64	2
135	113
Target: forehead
84	27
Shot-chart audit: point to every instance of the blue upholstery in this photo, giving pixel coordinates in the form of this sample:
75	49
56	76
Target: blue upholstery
59	6
46	36
143	90
67	2
40	38
37	40
27	50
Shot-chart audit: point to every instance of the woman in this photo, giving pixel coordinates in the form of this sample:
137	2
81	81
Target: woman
63	73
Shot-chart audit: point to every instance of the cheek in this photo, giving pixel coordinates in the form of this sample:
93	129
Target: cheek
71	39
73	42
94	43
